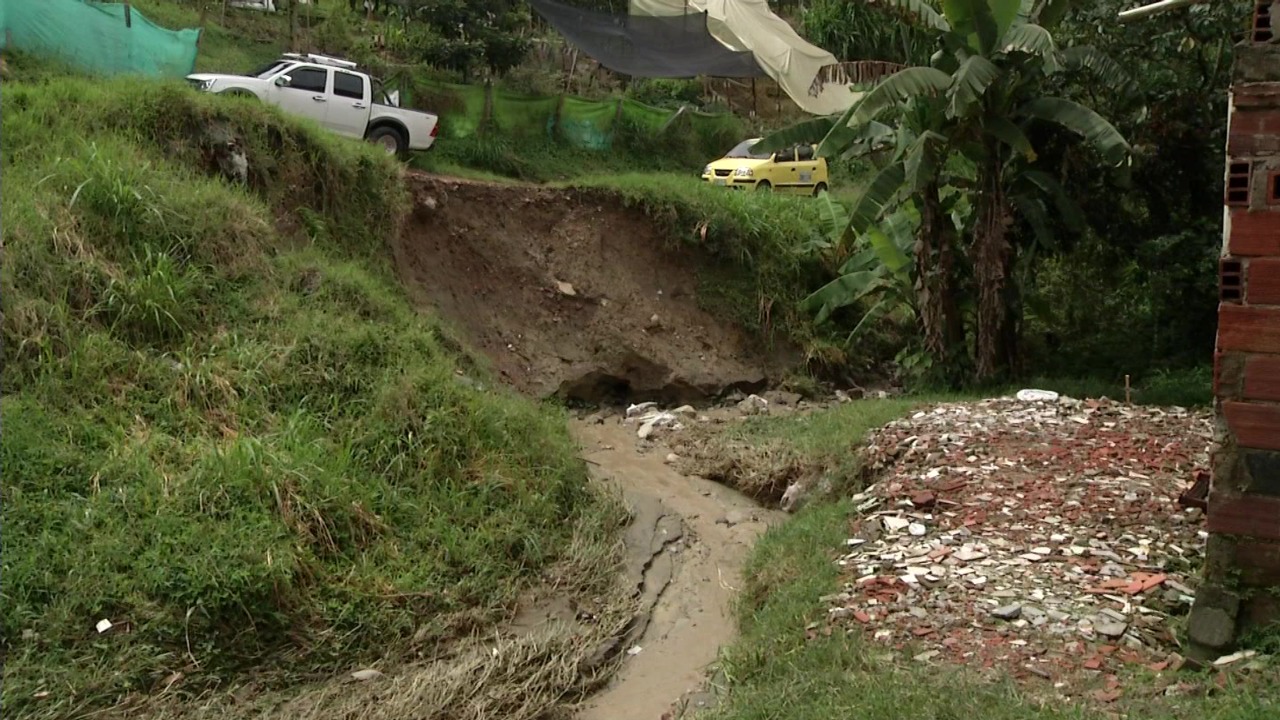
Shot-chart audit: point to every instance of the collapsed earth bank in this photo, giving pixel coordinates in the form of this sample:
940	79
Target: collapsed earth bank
570	293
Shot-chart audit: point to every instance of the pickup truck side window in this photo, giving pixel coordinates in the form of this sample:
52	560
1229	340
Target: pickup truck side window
308	79
347	85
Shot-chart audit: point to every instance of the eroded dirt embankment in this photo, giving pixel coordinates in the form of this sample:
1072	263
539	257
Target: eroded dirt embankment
571	296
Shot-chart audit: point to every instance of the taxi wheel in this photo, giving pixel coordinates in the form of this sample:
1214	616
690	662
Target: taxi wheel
764	186
821	188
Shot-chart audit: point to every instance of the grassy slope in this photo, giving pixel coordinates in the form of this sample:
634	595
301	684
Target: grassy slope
242	447
773	671
237	42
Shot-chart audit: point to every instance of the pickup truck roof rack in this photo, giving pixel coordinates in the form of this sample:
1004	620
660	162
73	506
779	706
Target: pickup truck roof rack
321	60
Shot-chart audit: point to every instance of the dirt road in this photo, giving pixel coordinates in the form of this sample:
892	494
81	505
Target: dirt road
704	533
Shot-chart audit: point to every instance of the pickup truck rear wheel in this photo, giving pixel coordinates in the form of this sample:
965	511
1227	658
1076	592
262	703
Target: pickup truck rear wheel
390	139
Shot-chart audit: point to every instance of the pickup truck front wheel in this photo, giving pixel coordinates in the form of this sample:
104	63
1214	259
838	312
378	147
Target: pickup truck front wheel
389	139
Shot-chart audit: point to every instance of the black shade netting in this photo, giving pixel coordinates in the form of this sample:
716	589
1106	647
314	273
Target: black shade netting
656	47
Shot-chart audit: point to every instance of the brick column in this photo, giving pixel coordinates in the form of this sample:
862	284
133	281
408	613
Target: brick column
1241	580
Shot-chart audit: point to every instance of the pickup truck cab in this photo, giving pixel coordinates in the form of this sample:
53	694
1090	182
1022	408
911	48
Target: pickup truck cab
334	93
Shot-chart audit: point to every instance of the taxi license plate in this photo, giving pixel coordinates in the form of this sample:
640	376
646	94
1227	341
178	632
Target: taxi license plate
718	181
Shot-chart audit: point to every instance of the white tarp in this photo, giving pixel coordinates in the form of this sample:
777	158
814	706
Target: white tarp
788	58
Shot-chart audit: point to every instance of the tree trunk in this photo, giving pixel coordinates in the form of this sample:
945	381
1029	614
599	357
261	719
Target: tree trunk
993	254
940	321
293	25
928	299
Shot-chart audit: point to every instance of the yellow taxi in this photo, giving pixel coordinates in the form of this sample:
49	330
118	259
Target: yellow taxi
797	170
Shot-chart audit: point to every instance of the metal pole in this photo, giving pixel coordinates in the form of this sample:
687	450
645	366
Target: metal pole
1155	8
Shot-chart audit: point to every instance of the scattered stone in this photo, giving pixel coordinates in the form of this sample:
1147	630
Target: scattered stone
1110	628
1053	517
896	524
1007	612
753	405
1234	657
566	289
672	458
782	397
638	410
924	499
366	675
792	497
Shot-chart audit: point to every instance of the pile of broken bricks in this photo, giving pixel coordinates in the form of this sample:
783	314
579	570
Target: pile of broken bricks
1035	538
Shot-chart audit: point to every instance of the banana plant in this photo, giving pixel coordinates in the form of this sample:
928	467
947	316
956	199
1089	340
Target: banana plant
978	101
877	273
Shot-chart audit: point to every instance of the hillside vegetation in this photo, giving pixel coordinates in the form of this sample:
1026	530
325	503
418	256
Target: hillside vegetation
226	431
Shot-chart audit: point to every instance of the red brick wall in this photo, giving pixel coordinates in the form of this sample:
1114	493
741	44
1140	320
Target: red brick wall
1243	551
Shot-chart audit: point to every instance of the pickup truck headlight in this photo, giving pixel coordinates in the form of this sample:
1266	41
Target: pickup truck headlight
706	170
744	172
202	85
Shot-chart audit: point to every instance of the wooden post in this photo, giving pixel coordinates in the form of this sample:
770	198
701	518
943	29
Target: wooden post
555	119
293	25
754	110
204	12
572	67
128	15
223	20
487	116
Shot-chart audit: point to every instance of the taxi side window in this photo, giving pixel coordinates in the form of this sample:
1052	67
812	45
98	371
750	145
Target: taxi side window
788	155
804	152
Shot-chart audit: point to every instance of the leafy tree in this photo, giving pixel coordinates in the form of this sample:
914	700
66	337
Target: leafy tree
466	35
966	120
1153	243
859	31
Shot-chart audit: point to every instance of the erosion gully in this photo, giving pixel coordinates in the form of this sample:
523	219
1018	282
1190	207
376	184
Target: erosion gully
686	546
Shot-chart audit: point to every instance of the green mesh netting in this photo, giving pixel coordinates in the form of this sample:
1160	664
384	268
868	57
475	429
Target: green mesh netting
95	37
522	116
589	124
460	107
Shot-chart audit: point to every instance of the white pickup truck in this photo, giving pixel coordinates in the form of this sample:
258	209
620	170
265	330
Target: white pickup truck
334	93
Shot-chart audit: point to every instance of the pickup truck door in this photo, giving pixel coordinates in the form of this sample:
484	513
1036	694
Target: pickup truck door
305	94
349	105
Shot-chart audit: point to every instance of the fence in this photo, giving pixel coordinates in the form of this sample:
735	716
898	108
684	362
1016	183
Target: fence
105	38
470	110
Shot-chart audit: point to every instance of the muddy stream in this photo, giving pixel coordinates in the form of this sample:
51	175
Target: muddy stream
687	545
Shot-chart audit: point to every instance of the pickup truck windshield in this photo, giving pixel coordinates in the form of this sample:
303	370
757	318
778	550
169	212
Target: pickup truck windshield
268	70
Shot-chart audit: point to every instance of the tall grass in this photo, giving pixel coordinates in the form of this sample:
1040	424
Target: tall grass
226	430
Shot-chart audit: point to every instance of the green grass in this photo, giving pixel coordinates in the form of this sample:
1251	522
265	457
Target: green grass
1191	387
226	429
237	42
776	669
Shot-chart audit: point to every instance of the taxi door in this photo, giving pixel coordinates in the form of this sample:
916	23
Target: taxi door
806	169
